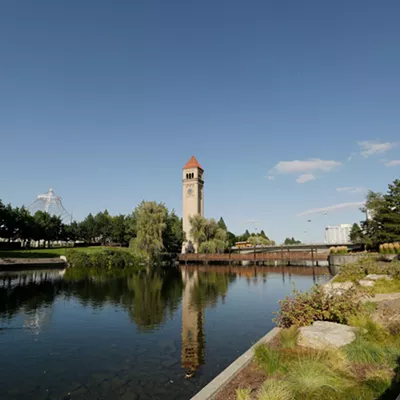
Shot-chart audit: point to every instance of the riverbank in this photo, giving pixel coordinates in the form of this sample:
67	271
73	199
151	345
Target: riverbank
23	264
368	367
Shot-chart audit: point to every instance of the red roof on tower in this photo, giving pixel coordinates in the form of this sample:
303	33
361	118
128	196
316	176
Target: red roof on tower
192	163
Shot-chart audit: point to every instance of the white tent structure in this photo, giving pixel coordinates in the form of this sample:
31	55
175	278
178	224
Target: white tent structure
52	204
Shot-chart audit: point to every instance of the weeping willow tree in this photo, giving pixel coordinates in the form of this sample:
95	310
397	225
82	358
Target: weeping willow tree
150	220
208	235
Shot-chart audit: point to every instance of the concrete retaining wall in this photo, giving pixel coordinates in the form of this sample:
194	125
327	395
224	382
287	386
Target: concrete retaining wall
218	383
341	259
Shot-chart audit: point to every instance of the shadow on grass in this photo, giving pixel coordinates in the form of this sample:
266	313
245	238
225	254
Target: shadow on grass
394	389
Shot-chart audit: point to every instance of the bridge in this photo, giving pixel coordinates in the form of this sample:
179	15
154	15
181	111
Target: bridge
304	254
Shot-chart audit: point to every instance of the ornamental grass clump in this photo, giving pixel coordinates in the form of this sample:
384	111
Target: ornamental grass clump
243	394
312	379
338	250
389	248
363	351
275	390
303	308
268	359
288	337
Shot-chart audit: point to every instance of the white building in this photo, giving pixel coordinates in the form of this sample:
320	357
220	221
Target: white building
339	234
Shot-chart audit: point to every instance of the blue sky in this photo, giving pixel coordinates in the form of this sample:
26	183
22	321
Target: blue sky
282	102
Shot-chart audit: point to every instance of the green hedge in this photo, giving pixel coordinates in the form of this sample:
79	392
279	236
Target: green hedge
106	259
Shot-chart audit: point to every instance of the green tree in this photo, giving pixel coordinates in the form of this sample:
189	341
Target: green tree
173	235
356	234
231	239
103	225
222	225
258	240
88	229
150	219
118	229
208	236
383	222
291	241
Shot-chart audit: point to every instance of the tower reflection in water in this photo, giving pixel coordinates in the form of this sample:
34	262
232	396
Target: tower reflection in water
192	325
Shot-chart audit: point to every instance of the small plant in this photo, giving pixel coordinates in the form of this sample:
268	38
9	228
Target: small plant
243	394
275	390
268	359
288	337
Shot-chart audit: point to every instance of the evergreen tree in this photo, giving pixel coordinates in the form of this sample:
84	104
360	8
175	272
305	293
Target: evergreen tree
222	225
356	234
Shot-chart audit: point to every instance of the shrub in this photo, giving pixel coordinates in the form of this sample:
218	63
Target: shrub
78	259
105	259
303	308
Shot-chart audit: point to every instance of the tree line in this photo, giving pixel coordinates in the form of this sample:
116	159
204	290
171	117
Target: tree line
149	230
16	223
382	224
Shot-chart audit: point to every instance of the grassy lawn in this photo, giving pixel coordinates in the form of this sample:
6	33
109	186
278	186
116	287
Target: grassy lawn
52	253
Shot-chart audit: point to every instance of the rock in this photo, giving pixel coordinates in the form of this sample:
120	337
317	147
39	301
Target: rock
375	277
337	288
322	335
388	312
366	283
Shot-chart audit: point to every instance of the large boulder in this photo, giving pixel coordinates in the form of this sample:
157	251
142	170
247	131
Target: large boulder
322	335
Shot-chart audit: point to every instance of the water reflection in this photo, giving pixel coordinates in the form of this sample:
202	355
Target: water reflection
201	290
137	332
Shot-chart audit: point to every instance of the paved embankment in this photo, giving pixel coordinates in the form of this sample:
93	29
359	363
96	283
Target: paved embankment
18	264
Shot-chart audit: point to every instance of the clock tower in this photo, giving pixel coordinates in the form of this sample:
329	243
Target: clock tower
192	196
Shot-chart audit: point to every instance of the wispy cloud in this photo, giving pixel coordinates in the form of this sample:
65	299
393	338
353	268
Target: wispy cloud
302	166
305	170
393	163
335	207
369	148
350	157
270	177
351	189
305	178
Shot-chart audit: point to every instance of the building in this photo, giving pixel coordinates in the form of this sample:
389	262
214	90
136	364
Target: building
192	196
339	234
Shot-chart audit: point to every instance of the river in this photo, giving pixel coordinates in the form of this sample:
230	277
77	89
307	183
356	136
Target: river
162	335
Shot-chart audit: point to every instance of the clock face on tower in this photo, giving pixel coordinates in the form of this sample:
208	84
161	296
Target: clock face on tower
190	191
